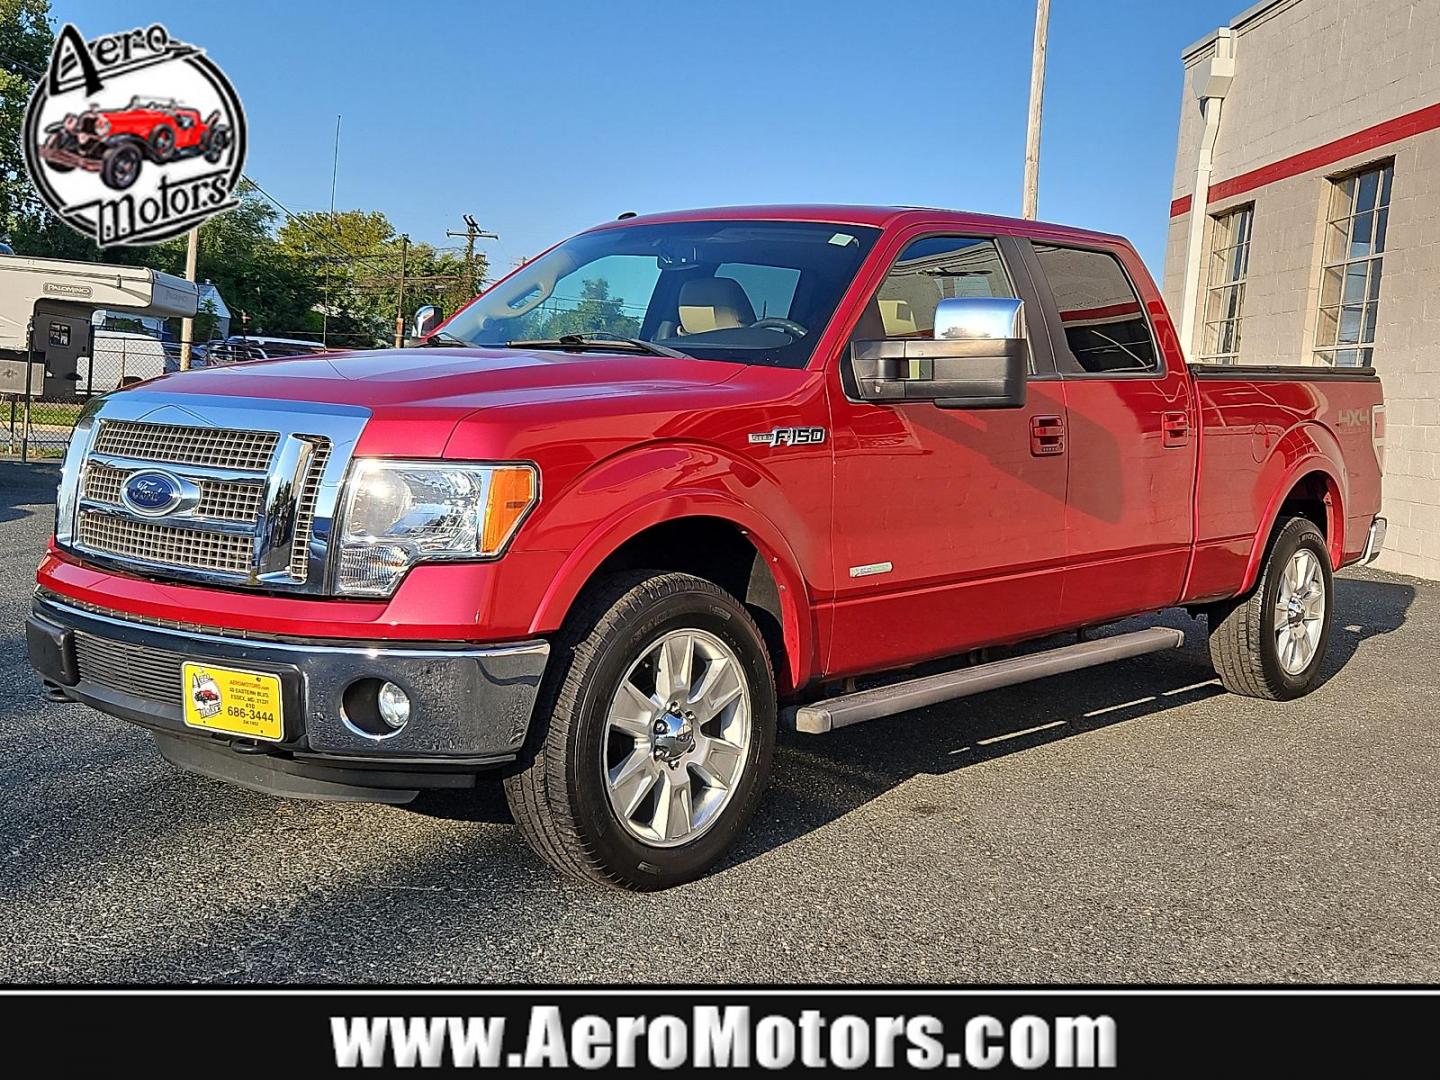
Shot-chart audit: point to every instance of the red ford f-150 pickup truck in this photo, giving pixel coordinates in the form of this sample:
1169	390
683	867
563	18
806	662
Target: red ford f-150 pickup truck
672	483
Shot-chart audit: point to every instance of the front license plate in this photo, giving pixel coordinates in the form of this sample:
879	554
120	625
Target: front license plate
236	702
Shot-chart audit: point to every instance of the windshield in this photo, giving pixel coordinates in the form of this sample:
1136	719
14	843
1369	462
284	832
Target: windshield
756	292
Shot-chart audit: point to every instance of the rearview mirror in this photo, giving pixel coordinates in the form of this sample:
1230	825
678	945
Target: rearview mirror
427	318
978	359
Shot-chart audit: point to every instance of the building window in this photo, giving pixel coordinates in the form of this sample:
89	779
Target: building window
1350	281
1225	285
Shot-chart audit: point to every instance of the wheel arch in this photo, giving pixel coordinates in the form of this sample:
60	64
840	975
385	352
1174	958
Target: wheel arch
704	534
1311	488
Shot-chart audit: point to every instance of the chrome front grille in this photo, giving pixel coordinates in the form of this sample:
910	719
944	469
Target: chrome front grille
177	444
220	500
153	543
132	669
255	486
305	511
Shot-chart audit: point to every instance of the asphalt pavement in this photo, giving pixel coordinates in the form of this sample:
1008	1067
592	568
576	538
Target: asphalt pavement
1129	823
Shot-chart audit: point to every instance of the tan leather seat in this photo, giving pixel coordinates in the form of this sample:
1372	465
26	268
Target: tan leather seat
713	304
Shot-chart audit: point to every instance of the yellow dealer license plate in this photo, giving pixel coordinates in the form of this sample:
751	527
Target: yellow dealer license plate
236	702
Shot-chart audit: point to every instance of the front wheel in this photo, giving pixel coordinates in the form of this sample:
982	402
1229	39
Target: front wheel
653	737
120	166
1271	643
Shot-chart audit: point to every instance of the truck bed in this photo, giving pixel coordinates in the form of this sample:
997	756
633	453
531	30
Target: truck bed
1262	428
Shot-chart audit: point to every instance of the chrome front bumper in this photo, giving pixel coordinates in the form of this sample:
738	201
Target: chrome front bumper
1375	541
470	705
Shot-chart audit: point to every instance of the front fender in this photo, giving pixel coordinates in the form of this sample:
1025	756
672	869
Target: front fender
680	481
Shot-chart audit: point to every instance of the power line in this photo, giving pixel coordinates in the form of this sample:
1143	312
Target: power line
298	220
472	233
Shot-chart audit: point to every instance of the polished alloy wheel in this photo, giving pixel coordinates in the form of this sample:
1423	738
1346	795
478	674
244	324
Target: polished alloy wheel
676	738
1299	611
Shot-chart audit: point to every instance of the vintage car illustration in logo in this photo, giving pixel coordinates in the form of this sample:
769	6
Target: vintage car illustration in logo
134	137
115	142
205	693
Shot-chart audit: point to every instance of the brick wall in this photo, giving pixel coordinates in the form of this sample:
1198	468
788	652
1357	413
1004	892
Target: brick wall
1308	72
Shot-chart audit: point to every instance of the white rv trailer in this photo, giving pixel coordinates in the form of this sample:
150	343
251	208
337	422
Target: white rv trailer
46	307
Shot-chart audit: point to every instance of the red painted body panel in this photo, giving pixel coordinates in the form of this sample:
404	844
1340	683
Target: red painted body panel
1258	440
989	542
1130	507
143	122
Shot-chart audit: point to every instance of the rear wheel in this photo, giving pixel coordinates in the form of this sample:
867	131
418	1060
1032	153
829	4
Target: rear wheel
1271	644
654	736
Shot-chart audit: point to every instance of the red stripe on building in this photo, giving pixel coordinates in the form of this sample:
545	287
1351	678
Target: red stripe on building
1110	311
1371	138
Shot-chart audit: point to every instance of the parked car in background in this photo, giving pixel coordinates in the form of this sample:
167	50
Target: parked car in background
238	349
115	142
603	550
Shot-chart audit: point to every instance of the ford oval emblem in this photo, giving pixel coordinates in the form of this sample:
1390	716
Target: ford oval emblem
152	492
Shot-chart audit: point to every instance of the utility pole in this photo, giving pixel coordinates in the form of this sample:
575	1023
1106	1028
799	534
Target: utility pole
1031	201
334	176
187	326
472	233
400	301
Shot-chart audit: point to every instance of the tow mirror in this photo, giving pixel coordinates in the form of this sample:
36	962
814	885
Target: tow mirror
978	359
427	318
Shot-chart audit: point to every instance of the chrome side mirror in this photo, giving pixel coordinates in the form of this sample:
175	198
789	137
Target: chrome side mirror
978	359
967	318
427	318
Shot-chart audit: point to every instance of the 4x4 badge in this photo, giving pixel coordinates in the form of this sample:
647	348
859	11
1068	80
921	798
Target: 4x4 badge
789	436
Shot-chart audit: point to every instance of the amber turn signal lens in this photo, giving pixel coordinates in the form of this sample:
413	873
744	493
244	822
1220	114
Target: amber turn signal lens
512	493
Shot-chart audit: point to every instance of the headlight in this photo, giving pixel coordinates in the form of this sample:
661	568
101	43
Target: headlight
102	126
399	513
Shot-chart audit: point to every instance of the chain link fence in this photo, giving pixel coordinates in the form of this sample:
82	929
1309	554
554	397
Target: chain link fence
38	426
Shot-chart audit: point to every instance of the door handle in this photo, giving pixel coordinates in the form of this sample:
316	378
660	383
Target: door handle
1047	435
1176	428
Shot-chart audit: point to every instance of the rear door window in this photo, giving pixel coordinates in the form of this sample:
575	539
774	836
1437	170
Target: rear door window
1104	320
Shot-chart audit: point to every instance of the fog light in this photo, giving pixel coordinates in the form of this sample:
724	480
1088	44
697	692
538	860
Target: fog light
394	705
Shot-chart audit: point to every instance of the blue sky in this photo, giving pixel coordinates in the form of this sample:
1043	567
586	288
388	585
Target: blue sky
545	117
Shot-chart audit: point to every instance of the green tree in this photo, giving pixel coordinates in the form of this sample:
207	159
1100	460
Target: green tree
595	312
25	43
354	258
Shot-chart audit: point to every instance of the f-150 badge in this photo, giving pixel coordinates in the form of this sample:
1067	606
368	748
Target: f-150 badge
789	436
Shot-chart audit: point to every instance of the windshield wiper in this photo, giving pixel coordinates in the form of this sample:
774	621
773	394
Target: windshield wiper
599	340
443	339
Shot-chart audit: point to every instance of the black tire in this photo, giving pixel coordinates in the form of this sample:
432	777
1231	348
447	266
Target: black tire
557	793
57	142
162	142
120	166
214	141
1243	632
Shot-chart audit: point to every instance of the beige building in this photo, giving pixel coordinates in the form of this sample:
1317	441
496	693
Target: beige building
1313	128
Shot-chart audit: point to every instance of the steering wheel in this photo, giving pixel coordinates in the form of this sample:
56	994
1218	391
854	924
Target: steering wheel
789	326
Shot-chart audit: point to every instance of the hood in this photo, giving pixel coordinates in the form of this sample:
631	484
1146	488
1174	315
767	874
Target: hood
416	397
450	380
